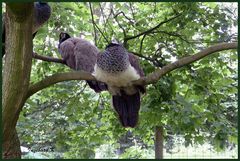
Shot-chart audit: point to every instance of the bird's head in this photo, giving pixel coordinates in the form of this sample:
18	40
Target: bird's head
40	4
114	42
63	36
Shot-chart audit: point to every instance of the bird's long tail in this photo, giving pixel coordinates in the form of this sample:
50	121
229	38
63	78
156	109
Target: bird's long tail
127	107
97	86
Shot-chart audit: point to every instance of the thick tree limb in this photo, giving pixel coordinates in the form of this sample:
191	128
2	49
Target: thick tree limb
149	79
156	75
48	59
59	77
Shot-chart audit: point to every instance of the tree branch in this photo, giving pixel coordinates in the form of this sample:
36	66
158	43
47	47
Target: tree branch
93	22
172	34
152	29
131	7
124	31
149	79
95	25
48	59
115	17
121	12
156	75
106	21
56	78
153	60
141	44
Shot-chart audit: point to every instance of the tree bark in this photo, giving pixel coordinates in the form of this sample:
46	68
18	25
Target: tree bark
11	147
16	72
157	74
59	77
159	142
48	59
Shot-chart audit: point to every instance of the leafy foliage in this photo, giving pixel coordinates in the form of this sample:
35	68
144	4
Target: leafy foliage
198	101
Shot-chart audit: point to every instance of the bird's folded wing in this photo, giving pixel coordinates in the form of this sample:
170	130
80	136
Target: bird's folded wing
66	50
135	64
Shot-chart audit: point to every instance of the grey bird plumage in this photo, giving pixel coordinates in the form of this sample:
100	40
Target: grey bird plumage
80	54
118	68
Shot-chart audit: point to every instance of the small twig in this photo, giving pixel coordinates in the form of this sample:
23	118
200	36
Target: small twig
106	19
172	34
115	16
48	59
152	29
154	61
141	43
102	33
131	7
105	22
93	22
124	31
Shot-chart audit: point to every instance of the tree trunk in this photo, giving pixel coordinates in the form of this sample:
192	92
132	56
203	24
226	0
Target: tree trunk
159	142
125	142
12	147
16	72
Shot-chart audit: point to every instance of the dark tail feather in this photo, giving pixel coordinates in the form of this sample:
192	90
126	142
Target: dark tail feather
97	86
127	107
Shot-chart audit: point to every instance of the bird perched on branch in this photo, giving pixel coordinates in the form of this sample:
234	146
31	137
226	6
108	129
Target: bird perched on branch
80	54
118	68
42	12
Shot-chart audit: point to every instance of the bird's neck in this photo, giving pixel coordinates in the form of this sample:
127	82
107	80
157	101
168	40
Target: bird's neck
63	39
116	50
